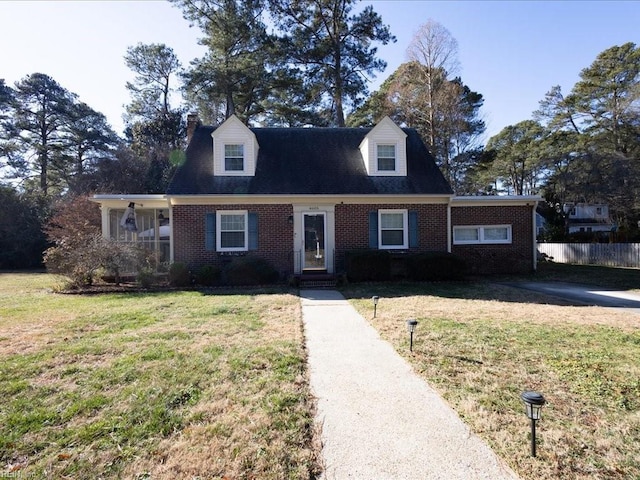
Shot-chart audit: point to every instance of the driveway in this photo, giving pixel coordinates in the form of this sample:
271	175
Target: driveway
585	295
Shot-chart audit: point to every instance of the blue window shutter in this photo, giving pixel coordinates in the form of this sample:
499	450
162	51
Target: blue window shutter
210	232
373	229
253	231
413	229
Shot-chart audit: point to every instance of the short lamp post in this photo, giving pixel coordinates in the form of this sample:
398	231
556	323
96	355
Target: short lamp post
375	299
411	327
533	402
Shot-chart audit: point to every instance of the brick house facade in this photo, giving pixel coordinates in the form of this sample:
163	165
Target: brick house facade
303	197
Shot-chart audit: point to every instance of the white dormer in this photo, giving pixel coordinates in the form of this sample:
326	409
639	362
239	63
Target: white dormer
235	149
384	150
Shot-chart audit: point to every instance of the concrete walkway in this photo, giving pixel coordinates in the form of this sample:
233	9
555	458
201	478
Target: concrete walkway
379	420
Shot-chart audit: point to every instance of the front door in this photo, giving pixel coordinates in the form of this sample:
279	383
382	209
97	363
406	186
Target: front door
314	254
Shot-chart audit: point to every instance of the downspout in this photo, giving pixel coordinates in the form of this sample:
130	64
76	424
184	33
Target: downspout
104	214
449	225
535	236
171	239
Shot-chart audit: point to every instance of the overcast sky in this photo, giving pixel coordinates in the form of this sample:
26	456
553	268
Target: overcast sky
510	52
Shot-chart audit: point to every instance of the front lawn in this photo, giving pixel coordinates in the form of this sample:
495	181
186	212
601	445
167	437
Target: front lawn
481	345
159	385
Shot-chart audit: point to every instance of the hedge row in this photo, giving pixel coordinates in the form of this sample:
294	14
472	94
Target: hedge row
239	272
380	265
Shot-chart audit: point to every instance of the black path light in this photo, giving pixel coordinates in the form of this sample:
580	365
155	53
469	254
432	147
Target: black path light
375	299
411	327
533	402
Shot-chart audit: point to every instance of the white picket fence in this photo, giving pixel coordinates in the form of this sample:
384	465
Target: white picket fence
607	254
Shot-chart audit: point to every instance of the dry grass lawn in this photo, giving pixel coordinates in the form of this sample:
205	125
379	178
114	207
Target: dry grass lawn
171	385
480	345
159	385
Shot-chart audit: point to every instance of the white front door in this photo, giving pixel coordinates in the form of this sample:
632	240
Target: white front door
314	246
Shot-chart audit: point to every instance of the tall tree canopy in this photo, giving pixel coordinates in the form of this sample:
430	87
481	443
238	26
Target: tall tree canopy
233	76
517	163
434	47
155	127
596	129
333	49
424	95
51	139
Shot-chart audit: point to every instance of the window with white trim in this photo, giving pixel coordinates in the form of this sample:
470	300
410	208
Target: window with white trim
473	234
386	157
234	157
231	234
393	229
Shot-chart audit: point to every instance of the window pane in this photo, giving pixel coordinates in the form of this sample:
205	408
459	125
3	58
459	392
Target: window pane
392	237
234	150
391	220
232	222
388	151
233	164
386	164
232	239
387	157
234	157
466	234
496	233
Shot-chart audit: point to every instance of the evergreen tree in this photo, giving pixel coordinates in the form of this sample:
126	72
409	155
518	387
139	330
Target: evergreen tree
155	129
233	77
518	165
597	129
41	107
332	49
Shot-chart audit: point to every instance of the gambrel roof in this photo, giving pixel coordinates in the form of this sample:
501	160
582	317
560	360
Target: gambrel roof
307	161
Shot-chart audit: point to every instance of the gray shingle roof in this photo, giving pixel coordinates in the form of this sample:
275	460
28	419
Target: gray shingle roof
299	161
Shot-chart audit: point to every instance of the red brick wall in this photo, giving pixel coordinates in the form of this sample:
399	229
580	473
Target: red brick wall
275	235
352	226
275	242
516	257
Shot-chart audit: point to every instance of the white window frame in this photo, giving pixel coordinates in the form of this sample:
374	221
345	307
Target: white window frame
224	160
481	237
395	157
219	231
405	229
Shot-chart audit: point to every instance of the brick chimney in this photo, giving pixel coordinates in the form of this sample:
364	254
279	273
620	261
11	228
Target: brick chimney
193	122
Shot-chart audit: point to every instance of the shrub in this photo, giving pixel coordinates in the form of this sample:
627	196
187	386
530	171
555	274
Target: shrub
435	266
146	277
81	262
250	271
368	265
208	275
179	275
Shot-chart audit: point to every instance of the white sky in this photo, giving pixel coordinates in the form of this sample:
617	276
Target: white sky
510	52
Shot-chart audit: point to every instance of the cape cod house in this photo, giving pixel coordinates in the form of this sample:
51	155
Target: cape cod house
303	197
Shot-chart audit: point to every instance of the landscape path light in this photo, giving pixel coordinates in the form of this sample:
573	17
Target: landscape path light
533	402
411	327
375	299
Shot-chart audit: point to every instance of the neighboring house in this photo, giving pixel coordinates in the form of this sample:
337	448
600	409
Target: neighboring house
303	197
585	217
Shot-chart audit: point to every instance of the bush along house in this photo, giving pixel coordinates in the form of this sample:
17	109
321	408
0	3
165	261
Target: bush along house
311	201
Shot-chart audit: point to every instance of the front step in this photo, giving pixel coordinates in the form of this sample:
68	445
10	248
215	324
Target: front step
317	280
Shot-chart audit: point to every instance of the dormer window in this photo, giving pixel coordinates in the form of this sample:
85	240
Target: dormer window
384	150
234	158
386	158
235	149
